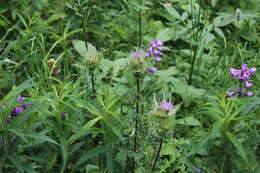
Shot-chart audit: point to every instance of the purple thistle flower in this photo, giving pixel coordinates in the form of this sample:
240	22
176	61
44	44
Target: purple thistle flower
166	106
136	54
151	70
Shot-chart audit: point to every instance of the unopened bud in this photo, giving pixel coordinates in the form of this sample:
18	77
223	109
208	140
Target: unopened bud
92	56
238	14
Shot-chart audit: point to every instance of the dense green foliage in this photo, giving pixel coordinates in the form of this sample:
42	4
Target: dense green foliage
93	109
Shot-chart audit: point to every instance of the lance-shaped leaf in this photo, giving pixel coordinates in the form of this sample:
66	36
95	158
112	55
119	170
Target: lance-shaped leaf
84	130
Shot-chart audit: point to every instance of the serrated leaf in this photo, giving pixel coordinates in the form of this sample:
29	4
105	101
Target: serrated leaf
239	147
190	121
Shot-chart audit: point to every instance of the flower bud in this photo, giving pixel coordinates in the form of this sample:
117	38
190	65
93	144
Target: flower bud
137	61
92	56
238	14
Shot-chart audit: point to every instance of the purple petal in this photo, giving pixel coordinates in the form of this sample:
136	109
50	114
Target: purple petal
20	99
250	94
157	59
151	70
248	85
166	106
230	94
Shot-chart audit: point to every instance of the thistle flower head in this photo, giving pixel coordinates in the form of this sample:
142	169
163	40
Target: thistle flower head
136	61
166	105
92	57
164	111
164	108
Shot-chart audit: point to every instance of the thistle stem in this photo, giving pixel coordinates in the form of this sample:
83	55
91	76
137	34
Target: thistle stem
140	28
195	48
137	113
192	65
157	154
92	81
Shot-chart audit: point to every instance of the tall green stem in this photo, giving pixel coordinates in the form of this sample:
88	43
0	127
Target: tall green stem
157	155
192	64
140	27
137	85
195	37
137	113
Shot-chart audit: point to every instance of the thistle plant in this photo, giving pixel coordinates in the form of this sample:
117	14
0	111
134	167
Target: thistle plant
91	58
243	75
164	112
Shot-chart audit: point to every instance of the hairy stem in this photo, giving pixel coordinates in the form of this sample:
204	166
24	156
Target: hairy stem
157	155
92	81
192	64
140	28
137	113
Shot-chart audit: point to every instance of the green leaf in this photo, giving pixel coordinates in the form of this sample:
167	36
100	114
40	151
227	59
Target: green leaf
19	134
116	130
214	2
91	153
25	85
84	130
165	34
15	160
91	49
64	152
40	137
239	147
80	47
55	17
92	109
174	13
130	77
190	121
221	34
